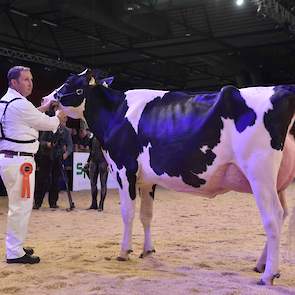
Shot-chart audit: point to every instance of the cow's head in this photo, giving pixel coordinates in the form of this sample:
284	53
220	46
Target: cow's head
72	94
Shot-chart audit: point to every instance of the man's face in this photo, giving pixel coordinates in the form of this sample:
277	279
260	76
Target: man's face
24	83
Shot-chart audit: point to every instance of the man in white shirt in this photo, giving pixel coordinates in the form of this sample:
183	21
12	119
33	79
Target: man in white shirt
20	123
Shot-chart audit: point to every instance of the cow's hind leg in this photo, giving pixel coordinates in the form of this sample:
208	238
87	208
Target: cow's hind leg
146	215
127	191
260	266
263	180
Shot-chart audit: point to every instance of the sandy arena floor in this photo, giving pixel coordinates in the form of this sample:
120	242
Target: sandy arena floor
203	247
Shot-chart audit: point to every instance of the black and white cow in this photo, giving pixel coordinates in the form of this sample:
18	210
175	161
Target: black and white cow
208	144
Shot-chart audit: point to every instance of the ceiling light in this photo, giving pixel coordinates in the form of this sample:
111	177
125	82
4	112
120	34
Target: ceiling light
239	2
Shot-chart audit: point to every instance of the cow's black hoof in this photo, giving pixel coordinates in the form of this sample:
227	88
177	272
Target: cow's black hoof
100	209
147	253
261	282
119	258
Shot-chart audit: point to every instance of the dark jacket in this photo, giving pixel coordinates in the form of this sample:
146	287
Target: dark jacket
61	141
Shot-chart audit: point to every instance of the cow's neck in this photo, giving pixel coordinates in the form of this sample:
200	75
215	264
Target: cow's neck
101	108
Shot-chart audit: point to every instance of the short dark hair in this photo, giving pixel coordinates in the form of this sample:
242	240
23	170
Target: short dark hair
14	73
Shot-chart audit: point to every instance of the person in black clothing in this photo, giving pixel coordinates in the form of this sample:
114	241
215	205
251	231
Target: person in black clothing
97	165
83	141
54	148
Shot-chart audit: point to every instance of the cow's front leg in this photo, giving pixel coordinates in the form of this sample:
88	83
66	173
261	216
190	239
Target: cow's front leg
127	201
260	266
146	215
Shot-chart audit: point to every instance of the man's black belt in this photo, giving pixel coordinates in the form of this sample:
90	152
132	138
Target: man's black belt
14	153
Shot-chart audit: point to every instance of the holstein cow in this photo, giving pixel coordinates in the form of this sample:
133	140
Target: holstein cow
203	143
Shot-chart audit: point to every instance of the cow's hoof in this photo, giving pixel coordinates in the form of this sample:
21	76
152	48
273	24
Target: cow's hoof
124	255
100	209
262	282
92	207
147	253
119	258
259	269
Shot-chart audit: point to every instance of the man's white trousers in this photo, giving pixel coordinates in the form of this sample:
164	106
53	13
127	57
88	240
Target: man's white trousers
19	209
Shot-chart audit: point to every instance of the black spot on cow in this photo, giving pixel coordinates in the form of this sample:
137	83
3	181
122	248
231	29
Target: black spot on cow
178	125
278	119
119	180
131	177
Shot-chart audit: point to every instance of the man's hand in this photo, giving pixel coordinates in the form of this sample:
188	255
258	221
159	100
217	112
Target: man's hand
61	116
48	105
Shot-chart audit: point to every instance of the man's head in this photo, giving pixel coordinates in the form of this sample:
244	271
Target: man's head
21	80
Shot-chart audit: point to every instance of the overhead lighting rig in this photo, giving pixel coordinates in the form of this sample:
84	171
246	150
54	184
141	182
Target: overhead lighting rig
278	12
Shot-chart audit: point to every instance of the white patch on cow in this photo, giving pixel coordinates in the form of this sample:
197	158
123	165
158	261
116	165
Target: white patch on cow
50	97
136	101
75	112
258	98
204	148
105	84
83	73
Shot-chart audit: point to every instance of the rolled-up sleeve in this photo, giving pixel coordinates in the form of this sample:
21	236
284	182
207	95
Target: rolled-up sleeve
35	119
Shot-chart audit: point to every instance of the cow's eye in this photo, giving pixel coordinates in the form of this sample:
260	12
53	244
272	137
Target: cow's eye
79	91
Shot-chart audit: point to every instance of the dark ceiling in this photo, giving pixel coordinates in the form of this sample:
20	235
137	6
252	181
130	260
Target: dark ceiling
174	44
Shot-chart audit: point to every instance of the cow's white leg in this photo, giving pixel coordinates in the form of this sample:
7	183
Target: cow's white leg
146	215
260	266
263	179
127	211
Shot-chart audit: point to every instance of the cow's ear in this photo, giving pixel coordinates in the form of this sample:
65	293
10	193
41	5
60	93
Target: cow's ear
106	81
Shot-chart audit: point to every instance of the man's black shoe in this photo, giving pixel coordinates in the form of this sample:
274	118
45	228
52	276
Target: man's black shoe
29	251
26	259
